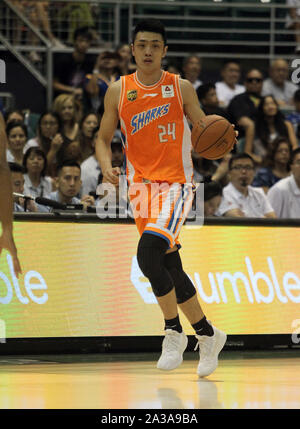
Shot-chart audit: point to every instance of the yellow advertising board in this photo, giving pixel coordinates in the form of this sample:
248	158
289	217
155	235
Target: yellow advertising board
82	279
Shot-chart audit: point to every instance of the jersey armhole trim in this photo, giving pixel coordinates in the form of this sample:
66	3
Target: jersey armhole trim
179	94
120	105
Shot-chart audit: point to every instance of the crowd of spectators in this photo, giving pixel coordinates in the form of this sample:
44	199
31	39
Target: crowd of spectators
58	159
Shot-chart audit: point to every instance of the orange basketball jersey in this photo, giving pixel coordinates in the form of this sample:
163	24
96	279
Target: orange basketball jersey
155	132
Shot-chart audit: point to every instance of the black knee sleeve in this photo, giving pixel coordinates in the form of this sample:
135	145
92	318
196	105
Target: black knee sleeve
150	256
183	286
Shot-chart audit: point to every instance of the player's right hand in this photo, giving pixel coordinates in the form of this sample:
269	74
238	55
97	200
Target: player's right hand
7	242
112	175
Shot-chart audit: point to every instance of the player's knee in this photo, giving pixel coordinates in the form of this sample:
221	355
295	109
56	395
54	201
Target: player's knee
150	257
184	288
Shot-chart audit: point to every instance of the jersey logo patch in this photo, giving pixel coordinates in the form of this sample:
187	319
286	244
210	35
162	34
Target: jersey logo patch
167	91
132	95
142	119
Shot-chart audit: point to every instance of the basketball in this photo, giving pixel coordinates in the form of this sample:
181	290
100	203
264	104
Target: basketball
213	137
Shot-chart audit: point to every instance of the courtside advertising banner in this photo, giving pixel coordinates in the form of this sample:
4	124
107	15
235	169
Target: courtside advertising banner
82	279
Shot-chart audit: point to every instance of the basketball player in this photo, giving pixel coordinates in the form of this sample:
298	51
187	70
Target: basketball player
6	203
152	106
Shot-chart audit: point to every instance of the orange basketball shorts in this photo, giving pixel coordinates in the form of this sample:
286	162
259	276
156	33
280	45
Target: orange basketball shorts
161	208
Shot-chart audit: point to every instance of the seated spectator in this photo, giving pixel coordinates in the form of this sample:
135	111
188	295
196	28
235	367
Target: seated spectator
229	87
294	117
70	69
240	199
17	180
270	123
14	116
90	168
49	139
126	65
205	169
243	107
212	198
207	96
105	72
16	137
64	105
88	124
278	84
276	164
293	20
68	184
37	184
70	152
284	196
191	68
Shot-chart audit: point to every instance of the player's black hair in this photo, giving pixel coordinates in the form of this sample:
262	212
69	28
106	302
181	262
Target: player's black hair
14	124
294	153
211	190
16	168
152	26
204	89
68	163
239	156
83	32
297	95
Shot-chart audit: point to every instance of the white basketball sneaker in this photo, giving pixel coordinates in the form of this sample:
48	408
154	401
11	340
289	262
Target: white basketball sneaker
209	349
173	346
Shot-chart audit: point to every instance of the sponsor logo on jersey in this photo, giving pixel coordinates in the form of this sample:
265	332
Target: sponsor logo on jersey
167	91
132	95
142	119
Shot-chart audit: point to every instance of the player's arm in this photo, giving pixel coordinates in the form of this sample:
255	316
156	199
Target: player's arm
191	105
108	126
6	203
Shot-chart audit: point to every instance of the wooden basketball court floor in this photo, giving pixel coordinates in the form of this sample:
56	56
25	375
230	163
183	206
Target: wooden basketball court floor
245	380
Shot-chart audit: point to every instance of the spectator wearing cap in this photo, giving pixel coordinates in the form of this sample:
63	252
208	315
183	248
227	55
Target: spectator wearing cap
208	98
105	72
240	199
284	196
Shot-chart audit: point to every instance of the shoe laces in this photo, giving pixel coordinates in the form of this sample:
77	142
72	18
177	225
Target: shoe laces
171	341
